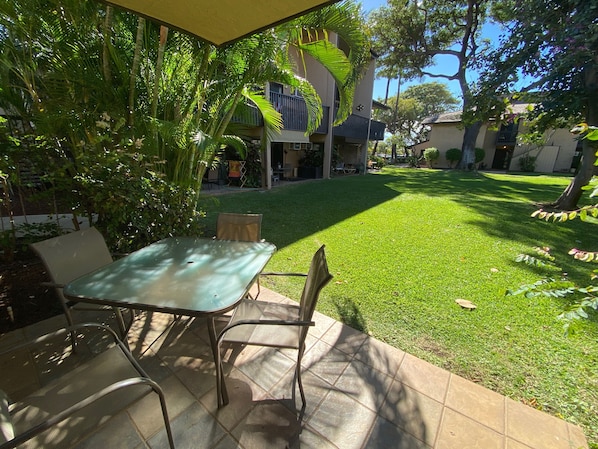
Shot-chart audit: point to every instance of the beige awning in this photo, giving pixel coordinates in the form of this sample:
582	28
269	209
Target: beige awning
219	22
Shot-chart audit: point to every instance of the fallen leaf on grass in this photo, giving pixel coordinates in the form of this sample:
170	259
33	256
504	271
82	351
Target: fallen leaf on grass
464	303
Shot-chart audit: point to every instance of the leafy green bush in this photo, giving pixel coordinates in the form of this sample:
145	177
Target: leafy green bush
379	161
413	161
452	156
431	155
480	154
527	163
135	206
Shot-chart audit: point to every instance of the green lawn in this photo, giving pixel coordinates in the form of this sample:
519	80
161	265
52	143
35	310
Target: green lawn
403	244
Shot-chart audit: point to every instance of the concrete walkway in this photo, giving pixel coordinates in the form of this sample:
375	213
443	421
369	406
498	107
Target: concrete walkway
361	393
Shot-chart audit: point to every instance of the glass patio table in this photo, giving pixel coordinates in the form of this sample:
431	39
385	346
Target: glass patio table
179	275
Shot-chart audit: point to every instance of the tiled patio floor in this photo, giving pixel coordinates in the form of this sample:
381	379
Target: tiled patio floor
361	393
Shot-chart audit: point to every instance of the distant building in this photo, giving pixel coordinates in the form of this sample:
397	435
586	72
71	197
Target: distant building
292	153
560	153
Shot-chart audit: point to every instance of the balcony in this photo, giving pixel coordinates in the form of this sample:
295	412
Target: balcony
294	116
294	112
356	127
248	114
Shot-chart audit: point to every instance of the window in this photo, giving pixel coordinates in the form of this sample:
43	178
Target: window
276	88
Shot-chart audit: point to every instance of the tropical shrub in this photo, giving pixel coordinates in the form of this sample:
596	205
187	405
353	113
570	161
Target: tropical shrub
527	163
379	161
431	155
453	155
480	154
413	161
135	205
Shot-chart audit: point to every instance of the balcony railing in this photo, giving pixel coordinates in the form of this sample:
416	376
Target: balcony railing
356	127
293	110
294	116
248	114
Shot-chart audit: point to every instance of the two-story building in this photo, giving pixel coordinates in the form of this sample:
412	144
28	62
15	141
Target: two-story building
558	152
292	154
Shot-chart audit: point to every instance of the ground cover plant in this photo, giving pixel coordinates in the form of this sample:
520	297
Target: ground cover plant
404	244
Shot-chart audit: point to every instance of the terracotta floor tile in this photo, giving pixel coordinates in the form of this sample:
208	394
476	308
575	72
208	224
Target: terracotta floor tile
414	412
364	384
460	432
380	356
536	429
384	433
343	420
477	402
344	338
424	377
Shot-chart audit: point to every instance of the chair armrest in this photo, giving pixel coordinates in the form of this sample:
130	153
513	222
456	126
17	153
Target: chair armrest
273	273
61	416
51	284
266	322
60	332
119	255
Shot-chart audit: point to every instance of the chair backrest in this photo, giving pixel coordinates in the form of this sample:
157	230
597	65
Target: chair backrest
212	175
234	169
317	277
72	255
239	227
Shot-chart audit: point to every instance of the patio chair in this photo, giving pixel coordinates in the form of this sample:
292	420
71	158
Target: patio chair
276	325
211	176
241	228
287	171
236	172
339	168
71	406
70	256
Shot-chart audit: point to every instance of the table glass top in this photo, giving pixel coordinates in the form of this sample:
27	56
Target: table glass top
184	274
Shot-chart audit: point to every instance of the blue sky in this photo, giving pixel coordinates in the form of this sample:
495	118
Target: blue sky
444	64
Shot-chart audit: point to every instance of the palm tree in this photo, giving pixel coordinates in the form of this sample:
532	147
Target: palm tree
95	80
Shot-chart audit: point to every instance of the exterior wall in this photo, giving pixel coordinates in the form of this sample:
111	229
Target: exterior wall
363	93
445	136
556	156
352	150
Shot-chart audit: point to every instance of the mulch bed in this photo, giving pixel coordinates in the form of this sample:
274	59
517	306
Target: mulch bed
23	300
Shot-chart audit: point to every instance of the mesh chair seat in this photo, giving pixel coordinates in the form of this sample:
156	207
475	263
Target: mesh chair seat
70	256
281	336
73	405
275	324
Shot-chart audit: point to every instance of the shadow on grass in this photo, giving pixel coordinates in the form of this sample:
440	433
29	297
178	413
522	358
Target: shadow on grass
350	315
295	211
289	210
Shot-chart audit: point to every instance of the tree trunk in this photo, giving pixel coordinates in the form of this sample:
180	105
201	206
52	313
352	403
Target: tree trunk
106	45
467	161
571	195
135	69
158	76
569	198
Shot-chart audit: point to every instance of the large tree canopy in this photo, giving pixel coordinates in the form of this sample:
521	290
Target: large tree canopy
409	34
554	43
